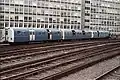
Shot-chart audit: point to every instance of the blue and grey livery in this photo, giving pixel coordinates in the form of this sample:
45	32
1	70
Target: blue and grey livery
26	35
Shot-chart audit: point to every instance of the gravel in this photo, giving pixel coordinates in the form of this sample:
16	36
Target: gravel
92	72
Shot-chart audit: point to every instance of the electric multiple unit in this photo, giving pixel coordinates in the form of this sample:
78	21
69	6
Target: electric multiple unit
24	35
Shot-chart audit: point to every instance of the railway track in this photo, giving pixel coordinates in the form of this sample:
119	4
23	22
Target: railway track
35	67
37	56
29	50
36	51
8	48
113	74
17	48
66	69
38	48
28	54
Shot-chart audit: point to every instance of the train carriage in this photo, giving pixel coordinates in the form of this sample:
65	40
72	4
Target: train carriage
86	34
23	35
18	35
67	34
104	34
38	35
54	34
95	34
78	34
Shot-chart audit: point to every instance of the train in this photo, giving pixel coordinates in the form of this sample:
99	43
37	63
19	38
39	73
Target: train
28	35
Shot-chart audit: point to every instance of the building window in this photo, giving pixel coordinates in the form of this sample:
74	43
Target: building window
46	26
42	25
57	26
34	25
16	24
11	24
25	24
1	0
87	14
6	24
25	18
1	25
1	16
71	26
87	2
87	20
50	20
29	25
20	25
16	17
50	26
88	8
86	27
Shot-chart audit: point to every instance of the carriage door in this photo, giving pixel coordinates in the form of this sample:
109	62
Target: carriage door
74	33
98	33
32	35
49	35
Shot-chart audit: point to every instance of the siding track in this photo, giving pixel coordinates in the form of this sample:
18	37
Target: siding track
63	58
113	74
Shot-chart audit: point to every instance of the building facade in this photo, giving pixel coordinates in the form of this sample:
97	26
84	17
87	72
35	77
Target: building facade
65	14
105	15
61	14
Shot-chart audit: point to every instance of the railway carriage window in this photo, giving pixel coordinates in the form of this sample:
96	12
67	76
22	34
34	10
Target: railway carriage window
18	32
24	33
43	33
98	33
58	32
30	33
33	33
39	33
